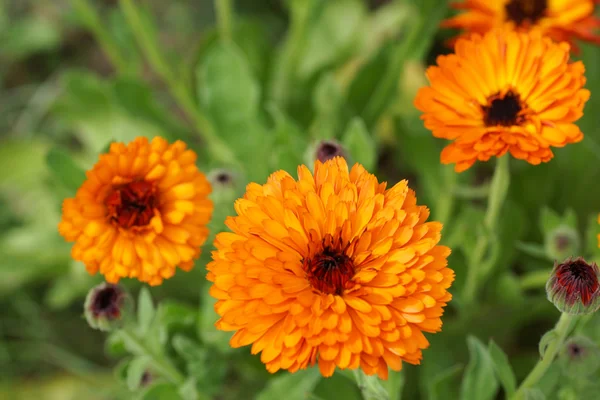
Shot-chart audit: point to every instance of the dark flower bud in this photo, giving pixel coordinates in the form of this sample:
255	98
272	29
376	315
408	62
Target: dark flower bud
574	287
221	178
105	306
328	149
562	242
579	357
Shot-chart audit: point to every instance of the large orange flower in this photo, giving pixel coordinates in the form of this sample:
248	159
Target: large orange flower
330	268
141	212
505	91
562	20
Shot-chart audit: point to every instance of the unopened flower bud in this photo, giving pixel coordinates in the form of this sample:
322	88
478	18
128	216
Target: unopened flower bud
579	357
328	149
562	242
105	306
574	286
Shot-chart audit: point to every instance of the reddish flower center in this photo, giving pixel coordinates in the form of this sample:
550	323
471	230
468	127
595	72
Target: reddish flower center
503	110
523	12
578	279
132	204
329	271
107	302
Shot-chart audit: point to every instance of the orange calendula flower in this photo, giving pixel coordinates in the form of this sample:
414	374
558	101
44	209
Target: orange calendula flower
332	269
141	212
562	20
505	91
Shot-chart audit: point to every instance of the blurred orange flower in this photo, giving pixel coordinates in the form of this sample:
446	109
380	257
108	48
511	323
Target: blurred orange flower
505	91
141	212
332	269
562	20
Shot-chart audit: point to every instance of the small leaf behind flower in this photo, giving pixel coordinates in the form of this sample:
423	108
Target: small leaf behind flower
296	386
66	171
503	369
360	144
145	310
479	381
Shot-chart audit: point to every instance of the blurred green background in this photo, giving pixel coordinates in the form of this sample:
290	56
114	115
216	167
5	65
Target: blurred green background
300	71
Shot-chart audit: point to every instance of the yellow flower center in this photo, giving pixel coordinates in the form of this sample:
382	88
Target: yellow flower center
525	12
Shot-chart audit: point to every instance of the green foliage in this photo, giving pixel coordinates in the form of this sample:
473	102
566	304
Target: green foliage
290	74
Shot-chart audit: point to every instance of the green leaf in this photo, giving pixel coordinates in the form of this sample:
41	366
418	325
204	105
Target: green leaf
66	171
395	384
161	391
135	371
532	394
334	35
29	35
187	348
337	387
206	326
549	220
508	290
479	381
360	144
145	310
533	250
592	233
188	389
227	87
297	386
503	369
437	387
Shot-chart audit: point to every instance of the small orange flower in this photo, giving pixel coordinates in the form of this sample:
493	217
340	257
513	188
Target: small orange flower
505	91
141	212
562	20
332	269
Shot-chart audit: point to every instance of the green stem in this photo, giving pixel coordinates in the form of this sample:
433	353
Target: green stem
497	196
224	11
161	364
562	329
91	20
218	149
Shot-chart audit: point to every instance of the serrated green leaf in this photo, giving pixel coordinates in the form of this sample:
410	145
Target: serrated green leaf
297	386
479	381
360	144
503	369
65	169
135	371
145	310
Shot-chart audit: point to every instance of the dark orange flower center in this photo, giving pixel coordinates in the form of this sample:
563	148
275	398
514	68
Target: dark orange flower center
578	279
503	110
523	12
132	204
329	271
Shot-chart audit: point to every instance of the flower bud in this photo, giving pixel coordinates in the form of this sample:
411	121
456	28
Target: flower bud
328	149
105	306
579	357
562	242
574	286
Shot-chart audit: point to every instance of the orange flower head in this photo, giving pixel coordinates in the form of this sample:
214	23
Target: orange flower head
503	92
332	269
142	211
562	20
